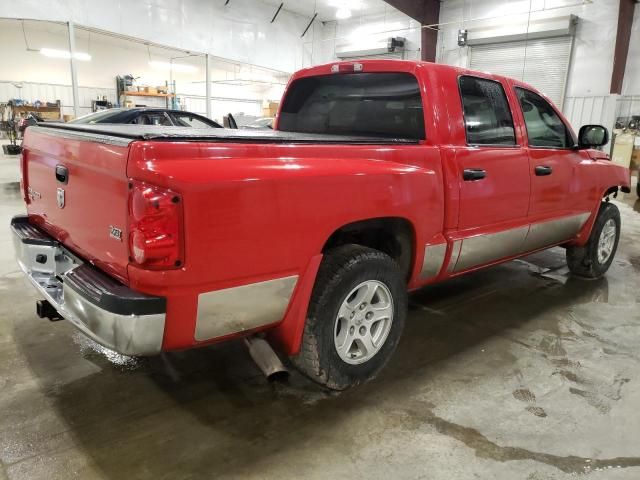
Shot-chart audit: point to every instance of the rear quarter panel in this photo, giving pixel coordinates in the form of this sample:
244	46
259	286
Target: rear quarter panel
258	212
253	211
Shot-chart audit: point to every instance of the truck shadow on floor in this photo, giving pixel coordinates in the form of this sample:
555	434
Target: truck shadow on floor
209	411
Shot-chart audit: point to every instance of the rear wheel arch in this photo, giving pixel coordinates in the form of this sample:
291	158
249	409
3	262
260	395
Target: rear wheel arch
394	236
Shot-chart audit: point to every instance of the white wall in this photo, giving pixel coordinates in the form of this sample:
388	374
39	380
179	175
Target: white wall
631	85
358	33
240	31
591	64
48	79
110	57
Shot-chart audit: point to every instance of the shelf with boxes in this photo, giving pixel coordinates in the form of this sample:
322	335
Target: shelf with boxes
128	90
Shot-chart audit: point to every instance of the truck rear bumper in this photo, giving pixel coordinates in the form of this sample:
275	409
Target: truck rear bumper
108	312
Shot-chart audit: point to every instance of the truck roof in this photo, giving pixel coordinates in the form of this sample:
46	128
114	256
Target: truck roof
410	66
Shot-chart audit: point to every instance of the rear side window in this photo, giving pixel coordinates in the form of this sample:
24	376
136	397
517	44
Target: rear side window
487	116
544	126
380	104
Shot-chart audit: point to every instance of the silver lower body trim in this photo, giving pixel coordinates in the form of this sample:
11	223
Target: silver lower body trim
482	249
238	309
554	231
433	260
455	254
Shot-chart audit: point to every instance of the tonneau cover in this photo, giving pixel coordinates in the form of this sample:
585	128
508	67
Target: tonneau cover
127	133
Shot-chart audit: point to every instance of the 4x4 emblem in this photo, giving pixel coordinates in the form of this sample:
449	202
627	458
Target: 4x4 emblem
60	197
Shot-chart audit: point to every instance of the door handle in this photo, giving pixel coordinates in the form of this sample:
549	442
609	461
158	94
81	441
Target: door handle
62	174
542	170
473	174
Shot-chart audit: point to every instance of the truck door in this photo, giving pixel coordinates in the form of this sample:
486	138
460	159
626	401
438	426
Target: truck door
493	177
556	188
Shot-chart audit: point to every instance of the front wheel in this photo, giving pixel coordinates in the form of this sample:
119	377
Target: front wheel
594	259
355	319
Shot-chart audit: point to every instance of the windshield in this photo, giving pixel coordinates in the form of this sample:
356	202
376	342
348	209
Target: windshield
380	104
262	122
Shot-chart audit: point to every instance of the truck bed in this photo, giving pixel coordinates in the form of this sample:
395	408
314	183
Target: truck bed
124	134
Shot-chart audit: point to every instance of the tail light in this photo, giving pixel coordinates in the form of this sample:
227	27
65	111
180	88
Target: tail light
155	227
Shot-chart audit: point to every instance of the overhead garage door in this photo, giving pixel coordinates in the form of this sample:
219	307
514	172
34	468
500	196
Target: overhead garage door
542	63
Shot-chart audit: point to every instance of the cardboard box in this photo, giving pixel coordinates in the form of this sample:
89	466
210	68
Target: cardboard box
622	149
49	115
270	109
635	158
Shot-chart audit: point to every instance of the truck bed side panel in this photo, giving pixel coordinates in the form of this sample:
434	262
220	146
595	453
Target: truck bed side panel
259	212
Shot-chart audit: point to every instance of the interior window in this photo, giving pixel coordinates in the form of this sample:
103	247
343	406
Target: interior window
487	116
380	104
154	119
544	126
186	120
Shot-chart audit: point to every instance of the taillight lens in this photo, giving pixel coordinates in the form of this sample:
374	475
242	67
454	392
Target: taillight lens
155	226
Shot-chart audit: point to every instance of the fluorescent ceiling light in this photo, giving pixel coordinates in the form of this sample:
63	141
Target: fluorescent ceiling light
343	13
176	67
348	4
54	53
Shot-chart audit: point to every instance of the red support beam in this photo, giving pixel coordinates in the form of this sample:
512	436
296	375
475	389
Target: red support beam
623	36
427	12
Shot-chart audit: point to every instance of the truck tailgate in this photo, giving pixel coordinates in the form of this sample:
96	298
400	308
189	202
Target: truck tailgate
87	210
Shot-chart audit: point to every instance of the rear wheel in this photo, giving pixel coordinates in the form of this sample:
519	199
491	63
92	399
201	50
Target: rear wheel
594	259
355	319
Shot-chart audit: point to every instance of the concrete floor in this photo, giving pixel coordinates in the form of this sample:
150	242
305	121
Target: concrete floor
517	372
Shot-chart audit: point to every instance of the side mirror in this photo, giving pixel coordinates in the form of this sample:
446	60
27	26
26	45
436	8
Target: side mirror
526	106
592	136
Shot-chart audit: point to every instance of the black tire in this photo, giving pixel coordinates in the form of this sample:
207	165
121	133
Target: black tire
341	271
583	261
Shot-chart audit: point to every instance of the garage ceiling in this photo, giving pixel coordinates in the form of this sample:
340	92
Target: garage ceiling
327	8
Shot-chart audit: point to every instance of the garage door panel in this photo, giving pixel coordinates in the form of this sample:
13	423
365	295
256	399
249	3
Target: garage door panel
542	62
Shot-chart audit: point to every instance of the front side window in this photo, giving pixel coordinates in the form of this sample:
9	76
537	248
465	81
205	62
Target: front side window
545	128
379	104
487	116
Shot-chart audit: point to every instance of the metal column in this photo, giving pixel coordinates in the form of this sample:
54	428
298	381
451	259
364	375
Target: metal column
74	75
207	94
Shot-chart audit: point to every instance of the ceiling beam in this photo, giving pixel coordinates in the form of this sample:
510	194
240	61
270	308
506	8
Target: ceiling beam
621	51
427	12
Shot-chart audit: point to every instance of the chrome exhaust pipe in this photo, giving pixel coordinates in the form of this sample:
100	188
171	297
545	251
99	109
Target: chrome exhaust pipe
266	359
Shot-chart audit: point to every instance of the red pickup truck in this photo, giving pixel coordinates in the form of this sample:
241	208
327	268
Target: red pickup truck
380	177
